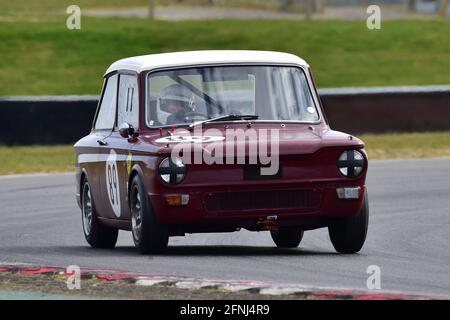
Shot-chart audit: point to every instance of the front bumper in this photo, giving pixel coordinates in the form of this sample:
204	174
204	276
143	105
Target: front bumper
309	206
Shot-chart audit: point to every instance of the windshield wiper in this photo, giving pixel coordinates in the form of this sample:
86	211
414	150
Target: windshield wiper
226	117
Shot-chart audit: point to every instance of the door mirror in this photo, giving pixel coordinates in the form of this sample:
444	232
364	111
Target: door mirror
126	130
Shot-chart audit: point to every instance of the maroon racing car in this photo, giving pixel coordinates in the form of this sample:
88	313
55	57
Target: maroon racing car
216	141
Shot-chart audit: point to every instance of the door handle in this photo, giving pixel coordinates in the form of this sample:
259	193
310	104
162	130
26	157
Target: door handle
102	143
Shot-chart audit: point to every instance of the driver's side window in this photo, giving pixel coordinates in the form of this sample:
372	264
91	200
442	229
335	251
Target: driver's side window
128	110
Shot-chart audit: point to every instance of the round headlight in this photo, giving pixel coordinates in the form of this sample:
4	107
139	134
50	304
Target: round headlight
172	170
351	163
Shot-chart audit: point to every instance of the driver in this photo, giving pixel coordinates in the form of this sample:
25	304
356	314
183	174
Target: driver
178	101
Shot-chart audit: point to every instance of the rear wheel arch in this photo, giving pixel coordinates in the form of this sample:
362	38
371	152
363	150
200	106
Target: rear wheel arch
96	234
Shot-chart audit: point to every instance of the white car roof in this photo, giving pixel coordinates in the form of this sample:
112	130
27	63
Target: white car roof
187	58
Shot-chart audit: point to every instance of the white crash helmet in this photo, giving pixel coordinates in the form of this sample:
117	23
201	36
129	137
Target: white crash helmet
179	93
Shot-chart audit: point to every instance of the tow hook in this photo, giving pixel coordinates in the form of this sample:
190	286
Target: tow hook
268	224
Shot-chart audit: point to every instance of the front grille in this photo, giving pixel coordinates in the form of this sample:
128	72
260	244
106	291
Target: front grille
254	200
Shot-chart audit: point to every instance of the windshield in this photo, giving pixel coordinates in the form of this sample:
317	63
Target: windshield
184	96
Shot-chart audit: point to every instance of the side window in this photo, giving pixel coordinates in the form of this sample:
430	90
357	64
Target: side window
107	112
128	100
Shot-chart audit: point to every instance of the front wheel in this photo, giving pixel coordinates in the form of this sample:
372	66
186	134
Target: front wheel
287	237
96	234
148	235
349	234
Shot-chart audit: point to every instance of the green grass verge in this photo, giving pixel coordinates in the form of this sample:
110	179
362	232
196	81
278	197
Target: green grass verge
36	159
42	57
33	8
407	145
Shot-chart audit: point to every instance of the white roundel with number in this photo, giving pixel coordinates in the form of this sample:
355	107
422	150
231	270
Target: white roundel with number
112	183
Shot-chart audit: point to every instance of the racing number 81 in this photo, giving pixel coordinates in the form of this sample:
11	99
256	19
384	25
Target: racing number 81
112	182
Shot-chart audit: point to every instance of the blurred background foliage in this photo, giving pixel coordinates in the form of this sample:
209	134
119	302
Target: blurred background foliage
40	56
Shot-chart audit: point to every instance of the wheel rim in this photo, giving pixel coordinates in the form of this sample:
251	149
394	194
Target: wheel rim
136	213
87	209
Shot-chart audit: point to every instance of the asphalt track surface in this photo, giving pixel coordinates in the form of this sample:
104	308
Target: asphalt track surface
409	236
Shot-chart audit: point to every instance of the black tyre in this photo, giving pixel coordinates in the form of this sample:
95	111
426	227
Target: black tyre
287	237
96	234
349	234
148	235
